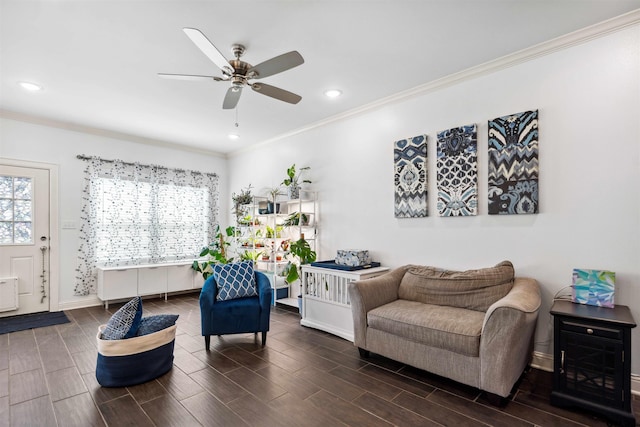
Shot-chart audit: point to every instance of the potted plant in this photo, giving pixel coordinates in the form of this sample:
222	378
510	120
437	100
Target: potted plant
251	256
274	192
296	218
300	253
216	253
294	179
240	200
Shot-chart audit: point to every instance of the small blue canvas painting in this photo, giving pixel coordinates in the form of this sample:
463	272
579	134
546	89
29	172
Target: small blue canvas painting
457	171
410	178
593	287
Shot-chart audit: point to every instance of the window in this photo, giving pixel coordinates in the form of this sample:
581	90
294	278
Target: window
16	209
135	214
141	223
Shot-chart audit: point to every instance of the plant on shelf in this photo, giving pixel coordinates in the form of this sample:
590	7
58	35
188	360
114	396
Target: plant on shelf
300	253
294	180
245	220
240	200
296	218
273	193
251	256
270	233
217	252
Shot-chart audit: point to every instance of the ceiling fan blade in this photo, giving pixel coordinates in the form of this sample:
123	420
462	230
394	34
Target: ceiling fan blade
232	97
188	77
276	65
203	43
276	92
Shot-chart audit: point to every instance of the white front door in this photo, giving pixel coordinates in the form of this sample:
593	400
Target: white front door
24	238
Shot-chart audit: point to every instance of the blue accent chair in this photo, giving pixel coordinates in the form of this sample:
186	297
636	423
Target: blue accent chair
236	316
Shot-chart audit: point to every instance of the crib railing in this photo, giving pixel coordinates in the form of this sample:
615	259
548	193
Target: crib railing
327	286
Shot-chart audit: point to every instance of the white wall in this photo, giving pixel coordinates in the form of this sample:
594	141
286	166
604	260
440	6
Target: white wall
36	143
588	97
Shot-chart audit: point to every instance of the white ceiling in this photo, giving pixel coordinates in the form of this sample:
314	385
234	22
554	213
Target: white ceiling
98	59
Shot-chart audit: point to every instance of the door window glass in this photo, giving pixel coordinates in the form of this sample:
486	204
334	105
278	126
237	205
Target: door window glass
16	210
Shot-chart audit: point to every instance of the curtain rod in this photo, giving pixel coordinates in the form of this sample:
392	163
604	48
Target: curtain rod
83	157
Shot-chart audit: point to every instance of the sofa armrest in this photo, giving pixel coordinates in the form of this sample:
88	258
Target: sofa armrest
207	299
208	293
507	337
265	291
365	295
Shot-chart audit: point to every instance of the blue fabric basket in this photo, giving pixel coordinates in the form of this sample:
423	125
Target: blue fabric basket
131	361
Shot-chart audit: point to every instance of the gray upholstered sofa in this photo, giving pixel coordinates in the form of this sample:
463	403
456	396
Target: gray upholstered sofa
475	327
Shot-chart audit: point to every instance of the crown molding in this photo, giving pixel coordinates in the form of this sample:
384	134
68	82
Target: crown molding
567	41
74	127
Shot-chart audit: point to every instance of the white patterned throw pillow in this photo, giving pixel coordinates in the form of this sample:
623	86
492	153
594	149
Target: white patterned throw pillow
235	280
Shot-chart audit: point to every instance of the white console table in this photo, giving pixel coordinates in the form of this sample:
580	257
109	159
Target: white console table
130	281
325	299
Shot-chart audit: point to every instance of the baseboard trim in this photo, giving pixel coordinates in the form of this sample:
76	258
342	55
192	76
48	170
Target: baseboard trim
90	301
635	384
94	301
544	362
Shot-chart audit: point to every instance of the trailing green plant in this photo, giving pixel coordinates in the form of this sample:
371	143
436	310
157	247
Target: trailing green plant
294	178
239	200
215	253
300	253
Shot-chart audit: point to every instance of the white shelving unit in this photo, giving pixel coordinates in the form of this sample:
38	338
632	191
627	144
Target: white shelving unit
264	230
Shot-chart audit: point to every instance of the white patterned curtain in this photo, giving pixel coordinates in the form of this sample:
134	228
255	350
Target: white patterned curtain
136	214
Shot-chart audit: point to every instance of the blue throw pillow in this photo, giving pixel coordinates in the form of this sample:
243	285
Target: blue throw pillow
158	322
235	280
124	322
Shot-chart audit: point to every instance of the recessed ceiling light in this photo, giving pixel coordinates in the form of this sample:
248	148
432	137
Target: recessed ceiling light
333	93
31	87
234	136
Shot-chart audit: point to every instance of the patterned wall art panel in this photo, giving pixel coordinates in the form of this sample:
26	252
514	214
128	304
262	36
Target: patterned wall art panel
513	164
457	171
410	162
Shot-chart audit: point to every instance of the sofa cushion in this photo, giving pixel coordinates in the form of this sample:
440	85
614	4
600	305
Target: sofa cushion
471	289
449	328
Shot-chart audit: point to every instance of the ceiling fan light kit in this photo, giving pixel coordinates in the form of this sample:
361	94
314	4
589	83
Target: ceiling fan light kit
239	72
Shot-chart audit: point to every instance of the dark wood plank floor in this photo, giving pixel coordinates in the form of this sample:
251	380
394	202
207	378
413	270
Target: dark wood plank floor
303	377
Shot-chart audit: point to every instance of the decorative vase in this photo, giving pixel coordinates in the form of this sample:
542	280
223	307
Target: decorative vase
294	192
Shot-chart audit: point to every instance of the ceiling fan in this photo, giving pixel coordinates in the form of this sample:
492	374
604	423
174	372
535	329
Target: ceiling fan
240	73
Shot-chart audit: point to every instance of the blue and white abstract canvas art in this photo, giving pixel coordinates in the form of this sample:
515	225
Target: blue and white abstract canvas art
457	171
513	164
410	162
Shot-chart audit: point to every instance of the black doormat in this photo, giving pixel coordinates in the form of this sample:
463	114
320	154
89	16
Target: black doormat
31	321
